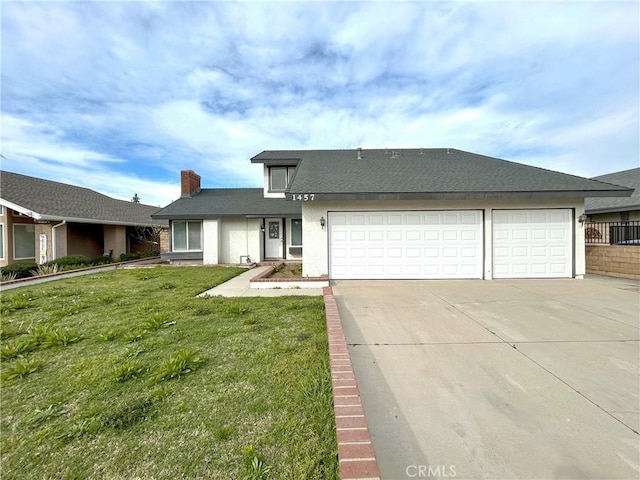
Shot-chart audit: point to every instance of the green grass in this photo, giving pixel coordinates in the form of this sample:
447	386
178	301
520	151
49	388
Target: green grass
127	374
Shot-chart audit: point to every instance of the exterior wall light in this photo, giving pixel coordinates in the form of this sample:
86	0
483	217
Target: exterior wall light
322	222
582	218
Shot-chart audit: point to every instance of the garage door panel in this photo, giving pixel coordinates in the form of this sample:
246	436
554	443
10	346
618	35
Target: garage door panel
406	245
532	243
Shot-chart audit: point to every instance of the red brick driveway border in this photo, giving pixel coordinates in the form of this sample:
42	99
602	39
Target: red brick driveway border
355	451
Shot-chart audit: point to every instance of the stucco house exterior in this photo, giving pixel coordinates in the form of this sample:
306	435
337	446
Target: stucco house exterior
391	214
41	220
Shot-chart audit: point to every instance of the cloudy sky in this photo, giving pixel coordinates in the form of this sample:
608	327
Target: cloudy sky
120	96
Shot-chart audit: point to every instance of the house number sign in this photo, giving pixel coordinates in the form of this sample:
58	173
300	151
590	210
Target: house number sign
304	197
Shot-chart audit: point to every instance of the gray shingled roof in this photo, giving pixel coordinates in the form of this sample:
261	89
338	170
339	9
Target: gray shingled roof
627	178
221	202
426	173
48	200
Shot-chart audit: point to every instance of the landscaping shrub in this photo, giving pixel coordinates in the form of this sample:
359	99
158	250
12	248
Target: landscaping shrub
20	270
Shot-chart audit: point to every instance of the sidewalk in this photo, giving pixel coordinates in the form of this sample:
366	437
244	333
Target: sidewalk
239	287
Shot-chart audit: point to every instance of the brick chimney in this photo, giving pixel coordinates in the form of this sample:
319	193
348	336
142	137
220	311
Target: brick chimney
190	183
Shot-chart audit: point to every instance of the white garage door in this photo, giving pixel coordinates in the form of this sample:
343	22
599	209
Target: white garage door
405	245
532	243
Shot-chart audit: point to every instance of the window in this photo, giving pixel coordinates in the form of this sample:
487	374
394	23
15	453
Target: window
1	210
296	232
24	241
1	241
187	235
279	178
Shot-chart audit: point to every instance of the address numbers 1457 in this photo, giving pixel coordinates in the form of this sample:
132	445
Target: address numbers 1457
304	197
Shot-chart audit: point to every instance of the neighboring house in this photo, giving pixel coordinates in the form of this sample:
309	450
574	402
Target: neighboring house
391	214
616	209
612	233
41	220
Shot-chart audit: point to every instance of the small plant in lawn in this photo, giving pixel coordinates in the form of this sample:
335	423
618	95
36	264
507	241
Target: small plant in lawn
178	364
38	417
17	347
158	320
16	302
108	336
21	368
134	335
128	370
168	286
59	338
255	467
223	433
10	330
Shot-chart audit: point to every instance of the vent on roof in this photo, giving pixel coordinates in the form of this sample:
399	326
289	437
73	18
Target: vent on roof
395	154
359	153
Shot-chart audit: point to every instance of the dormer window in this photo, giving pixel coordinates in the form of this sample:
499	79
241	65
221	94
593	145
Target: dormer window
279	178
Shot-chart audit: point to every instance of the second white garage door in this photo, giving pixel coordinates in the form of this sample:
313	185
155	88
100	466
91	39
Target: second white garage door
532	243
405	245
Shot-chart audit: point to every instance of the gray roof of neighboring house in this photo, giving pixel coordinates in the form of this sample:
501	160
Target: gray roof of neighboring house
425	173
627	178
48	200
221	202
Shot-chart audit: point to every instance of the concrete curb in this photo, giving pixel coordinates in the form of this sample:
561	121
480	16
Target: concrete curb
355	451
107	267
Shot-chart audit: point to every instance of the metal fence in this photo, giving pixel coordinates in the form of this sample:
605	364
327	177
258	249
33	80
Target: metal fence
612	233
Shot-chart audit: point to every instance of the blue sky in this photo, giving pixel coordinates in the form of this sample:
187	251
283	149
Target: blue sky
120	96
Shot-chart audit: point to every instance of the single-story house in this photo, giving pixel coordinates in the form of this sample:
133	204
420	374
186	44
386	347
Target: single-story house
41	220
391	214
616	209
612	232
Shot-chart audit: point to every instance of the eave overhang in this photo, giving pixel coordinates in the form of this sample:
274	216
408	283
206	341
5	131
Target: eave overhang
295	196
41	217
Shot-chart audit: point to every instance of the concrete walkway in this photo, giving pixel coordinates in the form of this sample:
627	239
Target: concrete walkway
239	287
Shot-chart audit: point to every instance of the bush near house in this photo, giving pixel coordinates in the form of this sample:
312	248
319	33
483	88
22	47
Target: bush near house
70	262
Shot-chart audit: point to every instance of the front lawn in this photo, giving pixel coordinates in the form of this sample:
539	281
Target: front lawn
127	375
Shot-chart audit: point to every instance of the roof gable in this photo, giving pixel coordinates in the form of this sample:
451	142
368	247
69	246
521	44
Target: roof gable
426	173
49	200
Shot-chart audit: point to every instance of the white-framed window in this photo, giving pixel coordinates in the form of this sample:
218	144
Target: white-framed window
296	232
187	235
24	241
279	178
1	241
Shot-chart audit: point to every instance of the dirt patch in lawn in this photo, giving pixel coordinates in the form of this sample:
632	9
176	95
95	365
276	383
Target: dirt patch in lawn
287	270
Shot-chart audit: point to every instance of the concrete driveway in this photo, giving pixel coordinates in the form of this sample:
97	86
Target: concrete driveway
498	379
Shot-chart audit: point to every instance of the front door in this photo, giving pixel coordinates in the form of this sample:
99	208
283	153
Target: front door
274	239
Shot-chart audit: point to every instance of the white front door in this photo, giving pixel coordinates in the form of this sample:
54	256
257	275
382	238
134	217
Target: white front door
274	239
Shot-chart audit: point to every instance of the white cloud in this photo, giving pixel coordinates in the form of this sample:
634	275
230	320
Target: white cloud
137	91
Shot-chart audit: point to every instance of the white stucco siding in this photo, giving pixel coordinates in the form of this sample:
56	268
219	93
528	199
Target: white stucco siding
315	238
240	237
210	242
